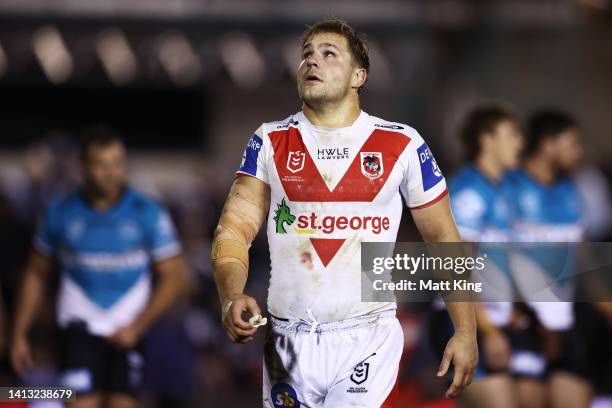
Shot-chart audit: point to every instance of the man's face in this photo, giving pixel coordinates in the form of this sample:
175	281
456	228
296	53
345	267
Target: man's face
567	150
104	168
327	71
506	143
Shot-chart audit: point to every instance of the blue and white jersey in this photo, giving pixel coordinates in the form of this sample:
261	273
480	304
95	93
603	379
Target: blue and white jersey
545	213
480	206
481	212
105	257
548	214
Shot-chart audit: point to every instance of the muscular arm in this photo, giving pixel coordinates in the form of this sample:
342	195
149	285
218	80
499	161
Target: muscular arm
243	214
436	224
31	295
32	292
171	286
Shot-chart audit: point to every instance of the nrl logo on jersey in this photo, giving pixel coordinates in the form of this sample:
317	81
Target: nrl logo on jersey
372	164
295	161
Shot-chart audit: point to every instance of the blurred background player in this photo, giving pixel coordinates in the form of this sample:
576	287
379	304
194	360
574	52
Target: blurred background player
106	238
492	141
547	208
331	161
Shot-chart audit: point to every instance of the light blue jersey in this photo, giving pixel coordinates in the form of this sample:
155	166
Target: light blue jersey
105	257
480	206
546	214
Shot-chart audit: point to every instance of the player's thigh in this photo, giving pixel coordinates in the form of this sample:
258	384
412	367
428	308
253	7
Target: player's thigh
126	372
530	393
119	400
284	382
83	360
491	391
372	382
567	390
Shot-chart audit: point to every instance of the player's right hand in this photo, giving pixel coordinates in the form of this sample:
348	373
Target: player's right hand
497	350
238	329
21	356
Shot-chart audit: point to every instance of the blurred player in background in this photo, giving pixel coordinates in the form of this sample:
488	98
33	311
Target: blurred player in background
492	141
107	237
547	208
331	176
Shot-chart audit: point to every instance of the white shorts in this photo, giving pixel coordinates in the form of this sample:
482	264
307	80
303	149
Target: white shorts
350	363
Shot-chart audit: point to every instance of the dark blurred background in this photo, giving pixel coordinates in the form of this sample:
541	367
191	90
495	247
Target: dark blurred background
187	81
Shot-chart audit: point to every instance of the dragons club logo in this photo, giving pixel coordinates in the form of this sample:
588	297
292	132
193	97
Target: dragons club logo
372	164
295	161
282	216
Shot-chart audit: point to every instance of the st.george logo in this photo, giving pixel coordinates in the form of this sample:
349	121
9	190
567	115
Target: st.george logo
372	164
295	161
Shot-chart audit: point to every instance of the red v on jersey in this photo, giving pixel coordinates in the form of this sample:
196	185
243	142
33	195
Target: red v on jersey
303	182
326	248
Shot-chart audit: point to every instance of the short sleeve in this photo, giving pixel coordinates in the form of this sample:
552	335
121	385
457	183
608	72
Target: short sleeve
469	209
254	157
47	232
423	182
163	240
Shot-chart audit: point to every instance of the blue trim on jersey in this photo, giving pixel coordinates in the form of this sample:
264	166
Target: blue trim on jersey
251	153
430	172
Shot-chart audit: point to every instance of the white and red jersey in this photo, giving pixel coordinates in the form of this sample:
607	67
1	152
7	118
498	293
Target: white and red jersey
331	190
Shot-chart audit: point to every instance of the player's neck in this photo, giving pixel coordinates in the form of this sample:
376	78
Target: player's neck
490	168
540	169
99	201
333	115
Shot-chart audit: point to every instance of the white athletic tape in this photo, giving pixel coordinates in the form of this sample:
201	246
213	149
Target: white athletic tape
258	320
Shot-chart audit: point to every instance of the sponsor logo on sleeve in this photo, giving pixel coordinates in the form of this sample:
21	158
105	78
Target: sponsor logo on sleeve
430	172
249	157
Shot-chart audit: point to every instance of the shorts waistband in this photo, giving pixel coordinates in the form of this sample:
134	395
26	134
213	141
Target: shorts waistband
302	325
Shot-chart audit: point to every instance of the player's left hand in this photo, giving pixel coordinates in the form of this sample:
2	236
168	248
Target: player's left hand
125	338
462	352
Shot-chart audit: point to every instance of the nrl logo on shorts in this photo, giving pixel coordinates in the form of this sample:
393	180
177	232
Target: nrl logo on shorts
372	164
295	161
360	373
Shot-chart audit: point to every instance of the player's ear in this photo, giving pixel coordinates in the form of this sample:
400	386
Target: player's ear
360	76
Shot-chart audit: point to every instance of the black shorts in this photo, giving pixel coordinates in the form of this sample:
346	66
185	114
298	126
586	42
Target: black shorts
586	348
90	364
527	360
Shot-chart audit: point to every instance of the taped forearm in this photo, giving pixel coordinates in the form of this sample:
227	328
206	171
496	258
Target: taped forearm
242	216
